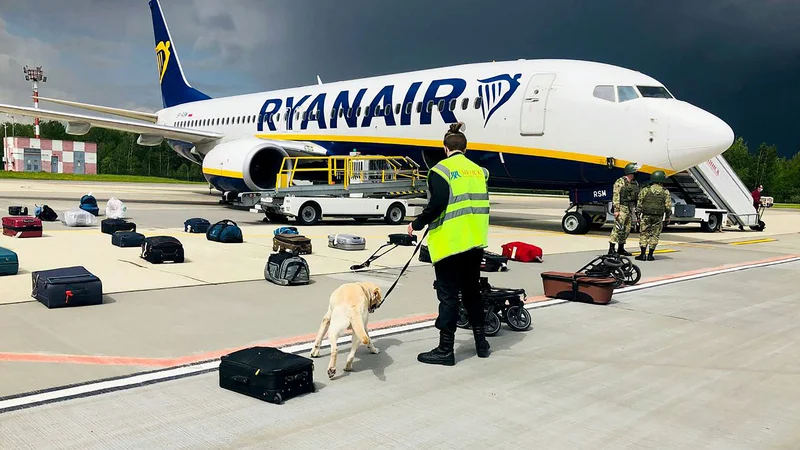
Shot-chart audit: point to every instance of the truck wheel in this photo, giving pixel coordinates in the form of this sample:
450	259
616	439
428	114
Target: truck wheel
309	214
395	214
713	224
574	223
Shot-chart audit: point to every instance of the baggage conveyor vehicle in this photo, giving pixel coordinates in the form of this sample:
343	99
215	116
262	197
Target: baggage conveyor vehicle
353	186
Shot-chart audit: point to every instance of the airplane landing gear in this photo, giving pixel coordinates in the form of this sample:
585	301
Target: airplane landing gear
580	219
575	223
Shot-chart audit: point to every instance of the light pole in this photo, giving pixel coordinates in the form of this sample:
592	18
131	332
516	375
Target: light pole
35	75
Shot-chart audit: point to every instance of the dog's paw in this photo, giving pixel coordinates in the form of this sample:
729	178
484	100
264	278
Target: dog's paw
375	350
348	368
315	353
331	373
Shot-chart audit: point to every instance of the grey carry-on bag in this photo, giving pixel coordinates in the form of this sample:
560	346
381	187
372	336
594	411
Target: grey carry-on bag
346	242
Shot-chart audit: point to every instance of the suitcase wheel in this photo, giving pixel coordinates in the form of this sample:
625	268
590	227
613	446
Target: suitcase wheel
277	399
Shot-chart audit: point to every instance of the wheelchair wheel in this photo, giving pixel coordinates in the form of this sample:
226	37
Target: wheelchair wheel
492	325
518	318
632	274
463	320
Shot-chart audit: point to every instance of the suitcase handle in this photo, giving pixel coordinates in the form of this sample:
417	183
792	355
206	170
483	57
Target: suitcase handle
240	379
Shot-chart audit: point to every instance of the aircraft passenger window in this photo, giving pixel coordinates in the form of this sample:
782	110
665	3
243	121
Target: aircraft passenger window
419	107
478	102
254	119
441	105
654	92
605	93
465	104
397	108
349	112
389	110
341	113
452	105
358	112
429	108
408	108
626	93
278	117
366	111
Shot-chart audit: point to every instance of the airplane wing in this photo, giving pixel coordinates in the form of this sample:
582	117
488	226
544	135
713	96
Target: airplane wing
80	124
147	117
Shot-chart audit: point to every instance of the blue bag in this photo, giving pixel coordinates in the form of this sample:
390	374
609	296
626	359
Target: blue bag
285	230
225	231
196	225
89	204
9	262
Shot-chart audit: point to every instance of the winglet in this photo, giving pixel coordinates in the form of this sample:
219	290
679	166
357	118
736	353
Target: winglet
175	90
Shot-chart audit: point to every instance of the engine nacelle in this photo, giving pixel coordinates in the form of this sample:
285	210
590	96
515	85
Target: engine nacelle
244	165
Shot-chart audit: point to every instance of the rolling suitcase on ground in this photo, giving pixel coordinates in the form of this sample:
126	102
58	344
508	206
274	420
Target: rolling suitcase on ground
158	249
267	374
111	226
578	287
295	243
346	242
127	239
196	225
18	210
22	227
69	286
9	262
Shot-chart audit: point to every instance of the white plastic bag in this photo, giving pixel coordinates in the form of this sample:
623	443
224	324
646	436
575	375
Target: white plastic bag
115	209
78	218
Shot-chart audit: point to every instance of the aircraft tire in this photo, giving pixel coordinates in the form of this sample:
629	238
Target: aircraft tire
574	223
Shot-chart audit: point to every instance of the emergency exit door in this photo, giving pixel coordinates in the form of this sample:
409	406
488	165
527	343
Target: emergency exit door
79	163
534	104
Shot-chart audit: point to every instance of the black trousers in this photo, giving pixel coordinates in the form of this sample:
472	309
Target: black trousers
454	274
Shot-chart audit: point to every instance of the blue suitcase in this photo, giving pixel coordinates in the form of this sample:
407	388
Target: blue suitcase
9	262
68	286
196	225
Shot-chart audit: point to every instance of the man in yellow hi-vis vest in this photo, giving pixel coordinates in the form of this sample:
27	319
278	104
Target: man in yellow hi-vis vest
457	216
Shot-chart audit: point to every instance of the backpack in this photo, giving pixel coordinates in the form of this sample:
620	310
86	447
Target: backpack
225	231
285	269
89	204
46	214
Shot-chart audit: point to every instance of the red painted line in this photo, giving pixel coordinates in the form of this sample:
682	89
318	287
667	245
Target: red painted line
296	340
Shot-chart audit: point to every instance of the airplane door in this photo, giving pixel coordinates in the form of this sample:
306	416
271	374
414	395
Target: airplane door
534	104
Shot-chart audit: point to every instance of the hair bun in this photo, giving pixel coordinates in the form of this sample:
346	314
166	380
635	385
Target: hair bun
457	127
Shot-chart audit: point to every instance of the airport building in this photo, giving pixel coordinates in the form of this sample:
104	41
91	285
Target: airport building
21	154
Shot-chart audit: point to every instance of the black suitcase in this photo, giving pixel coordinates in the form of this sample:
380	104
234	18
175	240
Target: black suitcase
127	239
68	286
18	210
111	226
158	249
266	373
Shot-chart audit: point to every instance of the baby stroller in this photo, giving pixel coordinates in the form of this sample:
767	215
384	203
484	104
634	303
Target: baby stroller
502	305
613	266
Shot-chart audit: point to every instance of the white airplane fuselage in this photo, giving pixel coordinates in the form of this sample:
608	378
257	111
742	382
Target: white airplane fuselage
537	124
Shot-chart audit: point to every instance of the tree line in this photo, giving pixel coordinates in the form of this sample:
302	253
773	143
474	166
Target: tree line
119	154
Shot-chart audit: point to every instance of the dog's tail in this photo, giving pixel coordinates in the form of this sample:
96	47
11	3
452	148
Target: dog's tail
358	329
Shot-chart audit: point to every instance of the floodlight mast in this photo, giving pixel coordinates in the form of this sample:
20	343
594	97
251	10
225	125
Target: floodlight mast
35	75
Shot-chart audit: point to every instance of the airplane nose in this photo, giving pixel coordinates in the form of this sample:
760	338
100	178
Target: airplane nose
695	136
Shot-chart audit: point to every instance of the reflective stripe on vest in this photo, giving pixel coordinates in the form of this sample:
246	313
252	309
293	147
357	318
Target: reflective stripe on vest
464	224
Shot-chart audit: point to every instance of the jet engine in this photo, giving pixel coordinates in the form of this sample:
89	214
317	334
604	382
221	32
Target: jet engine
244	165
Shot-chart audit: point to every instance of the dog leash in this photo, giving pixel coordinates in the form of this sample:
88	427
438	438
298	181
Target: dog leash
391	288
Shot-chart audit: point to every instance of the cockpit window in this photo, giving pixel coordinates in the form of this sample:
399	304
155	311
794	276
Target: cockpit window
626	93
605	93
654	92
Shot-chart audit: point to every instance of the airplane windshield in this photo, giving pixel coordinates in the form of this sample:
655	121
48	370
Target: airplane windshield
654	91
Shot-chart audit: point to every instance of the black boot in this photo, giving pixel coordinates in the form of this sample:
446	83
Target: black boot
481	344
443	354
641	256
650	256
622	251
611	250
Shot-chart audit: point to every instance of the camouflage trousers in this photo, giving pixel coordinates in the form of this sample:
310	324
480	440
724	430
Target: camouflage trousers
622	226
650	230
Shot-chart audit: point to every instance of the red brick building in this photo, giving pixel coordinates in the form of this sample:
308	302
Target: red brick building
45	155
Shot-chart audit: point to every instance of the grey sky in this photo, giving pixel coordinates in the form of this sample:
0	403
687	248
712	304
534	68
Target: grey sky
740	59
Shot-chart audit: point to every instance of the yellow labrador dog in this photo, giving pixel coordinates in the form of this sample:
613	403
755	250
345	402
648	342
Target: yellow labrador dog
349	308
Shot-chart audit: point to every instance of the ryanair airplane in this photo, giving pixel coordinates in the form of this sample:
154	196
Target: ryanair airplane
544	124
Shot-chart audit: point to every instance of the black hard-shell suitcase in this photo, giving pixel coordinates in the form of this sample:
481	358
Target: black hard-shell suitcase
111	226
18	210
127	239
158	249
68	286
267	374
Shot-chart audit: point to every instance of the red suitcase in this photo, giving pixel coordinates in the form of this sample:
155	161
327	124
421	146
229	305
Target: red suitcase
22	227
522	251
578	287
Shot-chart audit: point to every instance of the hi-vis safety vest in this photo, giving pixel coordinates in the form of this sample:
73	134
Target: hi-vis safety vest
464	224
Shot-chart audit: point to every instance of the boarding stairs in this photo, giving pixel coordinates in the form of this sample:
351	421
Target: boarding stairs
714	185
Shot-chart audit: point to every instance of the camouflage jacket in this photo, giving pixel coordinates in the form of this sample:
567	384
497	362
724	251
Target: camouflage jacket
654	200
619	185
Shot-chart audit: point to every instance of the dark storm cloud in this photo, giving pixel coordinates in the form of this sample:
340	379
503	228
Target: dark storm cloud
740	59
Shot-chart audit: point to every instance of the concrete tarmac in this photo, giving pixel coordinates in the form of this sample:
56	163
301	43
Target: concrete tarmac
635	373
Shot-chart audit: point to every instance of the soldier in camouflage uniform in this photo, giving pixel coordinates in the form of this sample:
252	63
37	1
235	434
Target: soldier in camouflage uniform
626	190
655	206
